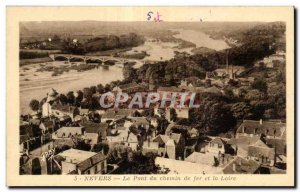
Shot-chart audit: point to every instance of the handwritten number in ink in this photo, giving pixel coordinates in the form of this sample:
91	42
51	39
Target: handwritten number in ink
157	18
149	15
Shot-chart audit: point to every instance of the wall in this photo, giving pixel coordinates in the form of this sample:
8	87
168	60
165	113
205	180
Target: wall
67	167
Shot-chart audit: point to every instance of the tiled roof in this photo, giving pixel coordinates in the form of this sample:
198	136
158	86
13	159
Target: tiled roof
63	108
48	124
161	139
255	151
66	131
243	141
24	138
280	145
112	114
139	120
26	130
242	166
169	89
170	142
267	127
35	121
218	141
74	172
86	164
91	127
212	89
176	137
97	158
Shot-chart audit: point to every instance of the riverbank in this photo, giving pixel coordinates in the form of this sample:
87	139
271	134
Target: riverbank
35	84
33	61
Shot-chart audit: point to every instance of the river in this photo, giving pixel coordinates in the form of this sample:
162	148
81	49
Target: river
35	85
201	39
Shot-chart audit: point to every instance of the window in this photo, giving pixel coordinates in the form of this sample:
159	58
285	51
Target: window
96	168
220	146
88	172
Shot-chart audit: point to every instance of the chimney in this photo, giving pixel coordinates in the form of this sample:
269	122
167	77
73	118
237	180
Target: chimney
227	68
234	167
231	74
260	121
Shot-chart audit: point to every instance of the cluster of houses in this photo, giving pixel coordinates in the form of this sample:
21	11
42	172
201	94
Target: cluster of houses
258	146
272	61
48	142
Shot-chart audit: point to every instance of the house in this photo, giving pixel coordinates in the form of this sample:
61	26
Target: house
218	82
269	129
178	167
180	113
46	109
82	162
216	145
132	141
47	125
190	82
59	111
154	122
140	121
184	129
113	114
208	158
67	132
150	146
198	89
240	165
171	146
240	145
117	136
261	153
168	91
84	112
130	88
213	90
262	141
159	111
95	132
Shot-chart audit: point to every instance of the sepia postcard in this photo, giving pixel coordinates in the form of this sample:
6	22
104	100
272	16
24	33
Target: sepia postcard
150	96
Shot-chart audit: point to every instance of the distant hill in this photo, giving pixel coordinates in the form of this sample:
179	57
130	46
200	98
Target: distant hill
88	29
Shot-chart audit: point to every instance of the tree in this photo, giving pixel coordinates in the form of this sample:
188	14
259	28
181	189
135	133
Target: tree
101	147
260	84
173	114
93	89
79	96
100	88
87	93
258	109
71	97
94	104
34	105
129	72
137	163
107	88
219	118
162	125
277	100
254	95
81	145
63	99
241	110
